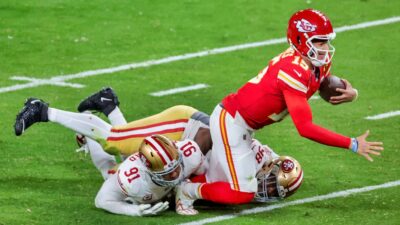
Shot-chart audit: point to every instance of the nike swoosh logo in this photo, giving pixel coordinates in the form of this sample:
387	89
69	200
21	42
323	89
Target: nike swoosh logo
34	101
298	74
105	99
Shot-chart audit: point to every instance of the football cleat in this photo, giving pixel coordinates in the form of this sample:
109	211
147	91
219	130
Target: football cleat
34	110
183	203
103	101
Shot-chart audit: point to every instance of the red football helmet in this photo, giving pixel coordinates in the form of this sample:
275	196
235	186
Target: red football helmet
306	26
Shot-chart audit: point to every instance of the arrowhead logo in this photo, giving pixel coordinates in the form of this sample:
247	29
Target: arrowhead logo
305	26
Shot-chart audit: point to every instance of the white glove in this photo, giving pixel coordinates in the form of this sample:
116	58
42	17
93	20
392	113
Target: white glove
148	210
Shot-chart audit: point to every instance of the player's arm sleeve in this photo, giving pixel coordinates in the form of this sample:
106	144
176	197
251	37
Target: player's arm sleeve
293	80
301	115
195	163
203	165
110	198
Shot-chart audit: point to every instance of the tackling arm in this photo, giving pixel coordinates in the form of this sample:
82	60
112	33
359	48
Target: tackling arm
111	199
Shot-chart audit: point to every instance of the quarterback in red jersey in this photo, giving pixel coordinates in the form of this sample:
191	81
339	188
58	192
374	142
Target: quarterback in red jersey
281	88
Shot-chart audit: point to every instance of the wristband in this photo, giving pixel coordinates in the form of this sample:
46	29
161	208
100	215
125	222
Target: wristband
354	145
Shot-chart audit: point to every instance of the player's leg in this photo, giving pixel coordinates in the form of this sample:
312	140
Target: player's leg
171	123
105	101
231	175
36	110
231	154
103	161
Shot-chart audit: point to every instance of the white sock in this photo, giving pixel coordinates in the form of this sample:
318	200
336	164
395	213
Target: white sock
116	117
89	125
101	159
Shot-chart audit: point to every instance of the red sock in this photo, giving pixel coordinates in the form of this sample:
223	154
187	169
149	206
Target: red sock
198	179
221	192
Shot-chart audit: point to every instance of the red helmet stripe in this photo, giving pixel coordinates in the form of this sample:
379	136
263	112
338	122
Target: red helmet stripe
149	141
296	184
165	150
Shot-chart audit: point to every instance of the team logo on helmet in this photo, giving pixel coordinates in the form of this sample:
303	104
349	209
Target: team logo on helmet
305	26
287	165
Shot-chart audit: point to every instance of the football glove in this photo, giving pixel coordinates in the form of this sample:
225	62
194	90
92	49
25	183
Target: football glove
148	210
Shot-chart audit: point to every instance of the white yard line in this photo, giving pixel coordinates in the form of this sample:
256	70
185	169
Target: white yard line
383	115
179	90
61	78
332	195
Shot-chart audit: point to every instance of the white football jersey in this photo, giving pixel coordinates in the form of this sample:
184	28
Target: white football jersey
135	182
194	161
263	154
192	128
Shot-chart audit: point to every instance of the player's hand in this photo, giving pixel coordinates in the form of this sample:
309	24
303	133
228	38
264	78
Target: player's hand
148	210
349	94
365	147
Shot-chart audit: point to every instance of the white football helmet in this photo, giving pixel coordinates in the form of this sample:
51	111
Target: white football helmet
279	179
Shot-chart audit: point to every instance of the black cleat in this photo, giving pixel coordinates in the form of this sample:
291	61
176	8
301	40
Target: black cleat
103	101
35	110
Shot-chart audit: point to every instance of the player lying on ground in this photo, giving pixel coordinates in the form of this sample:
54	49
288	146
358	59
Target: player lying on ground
285	180
168	121
143	178
147	176
177	123
37	111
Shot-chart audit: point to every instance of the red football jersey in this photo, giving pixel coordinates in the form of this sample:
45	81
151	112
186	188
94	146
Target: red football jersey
262	101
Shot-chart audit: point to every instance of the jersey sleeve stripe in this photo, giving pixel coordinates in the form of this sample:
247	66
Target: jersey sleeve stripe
121	185
287	79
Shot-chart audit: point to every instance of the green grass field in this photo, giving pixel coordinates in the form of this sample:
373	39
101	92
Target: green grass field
43	180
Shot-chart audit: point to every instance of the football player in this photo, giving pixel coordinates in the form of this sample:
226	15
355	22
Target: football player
282	175
147	176
177	123
283	87
278	177
94	128
143	178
